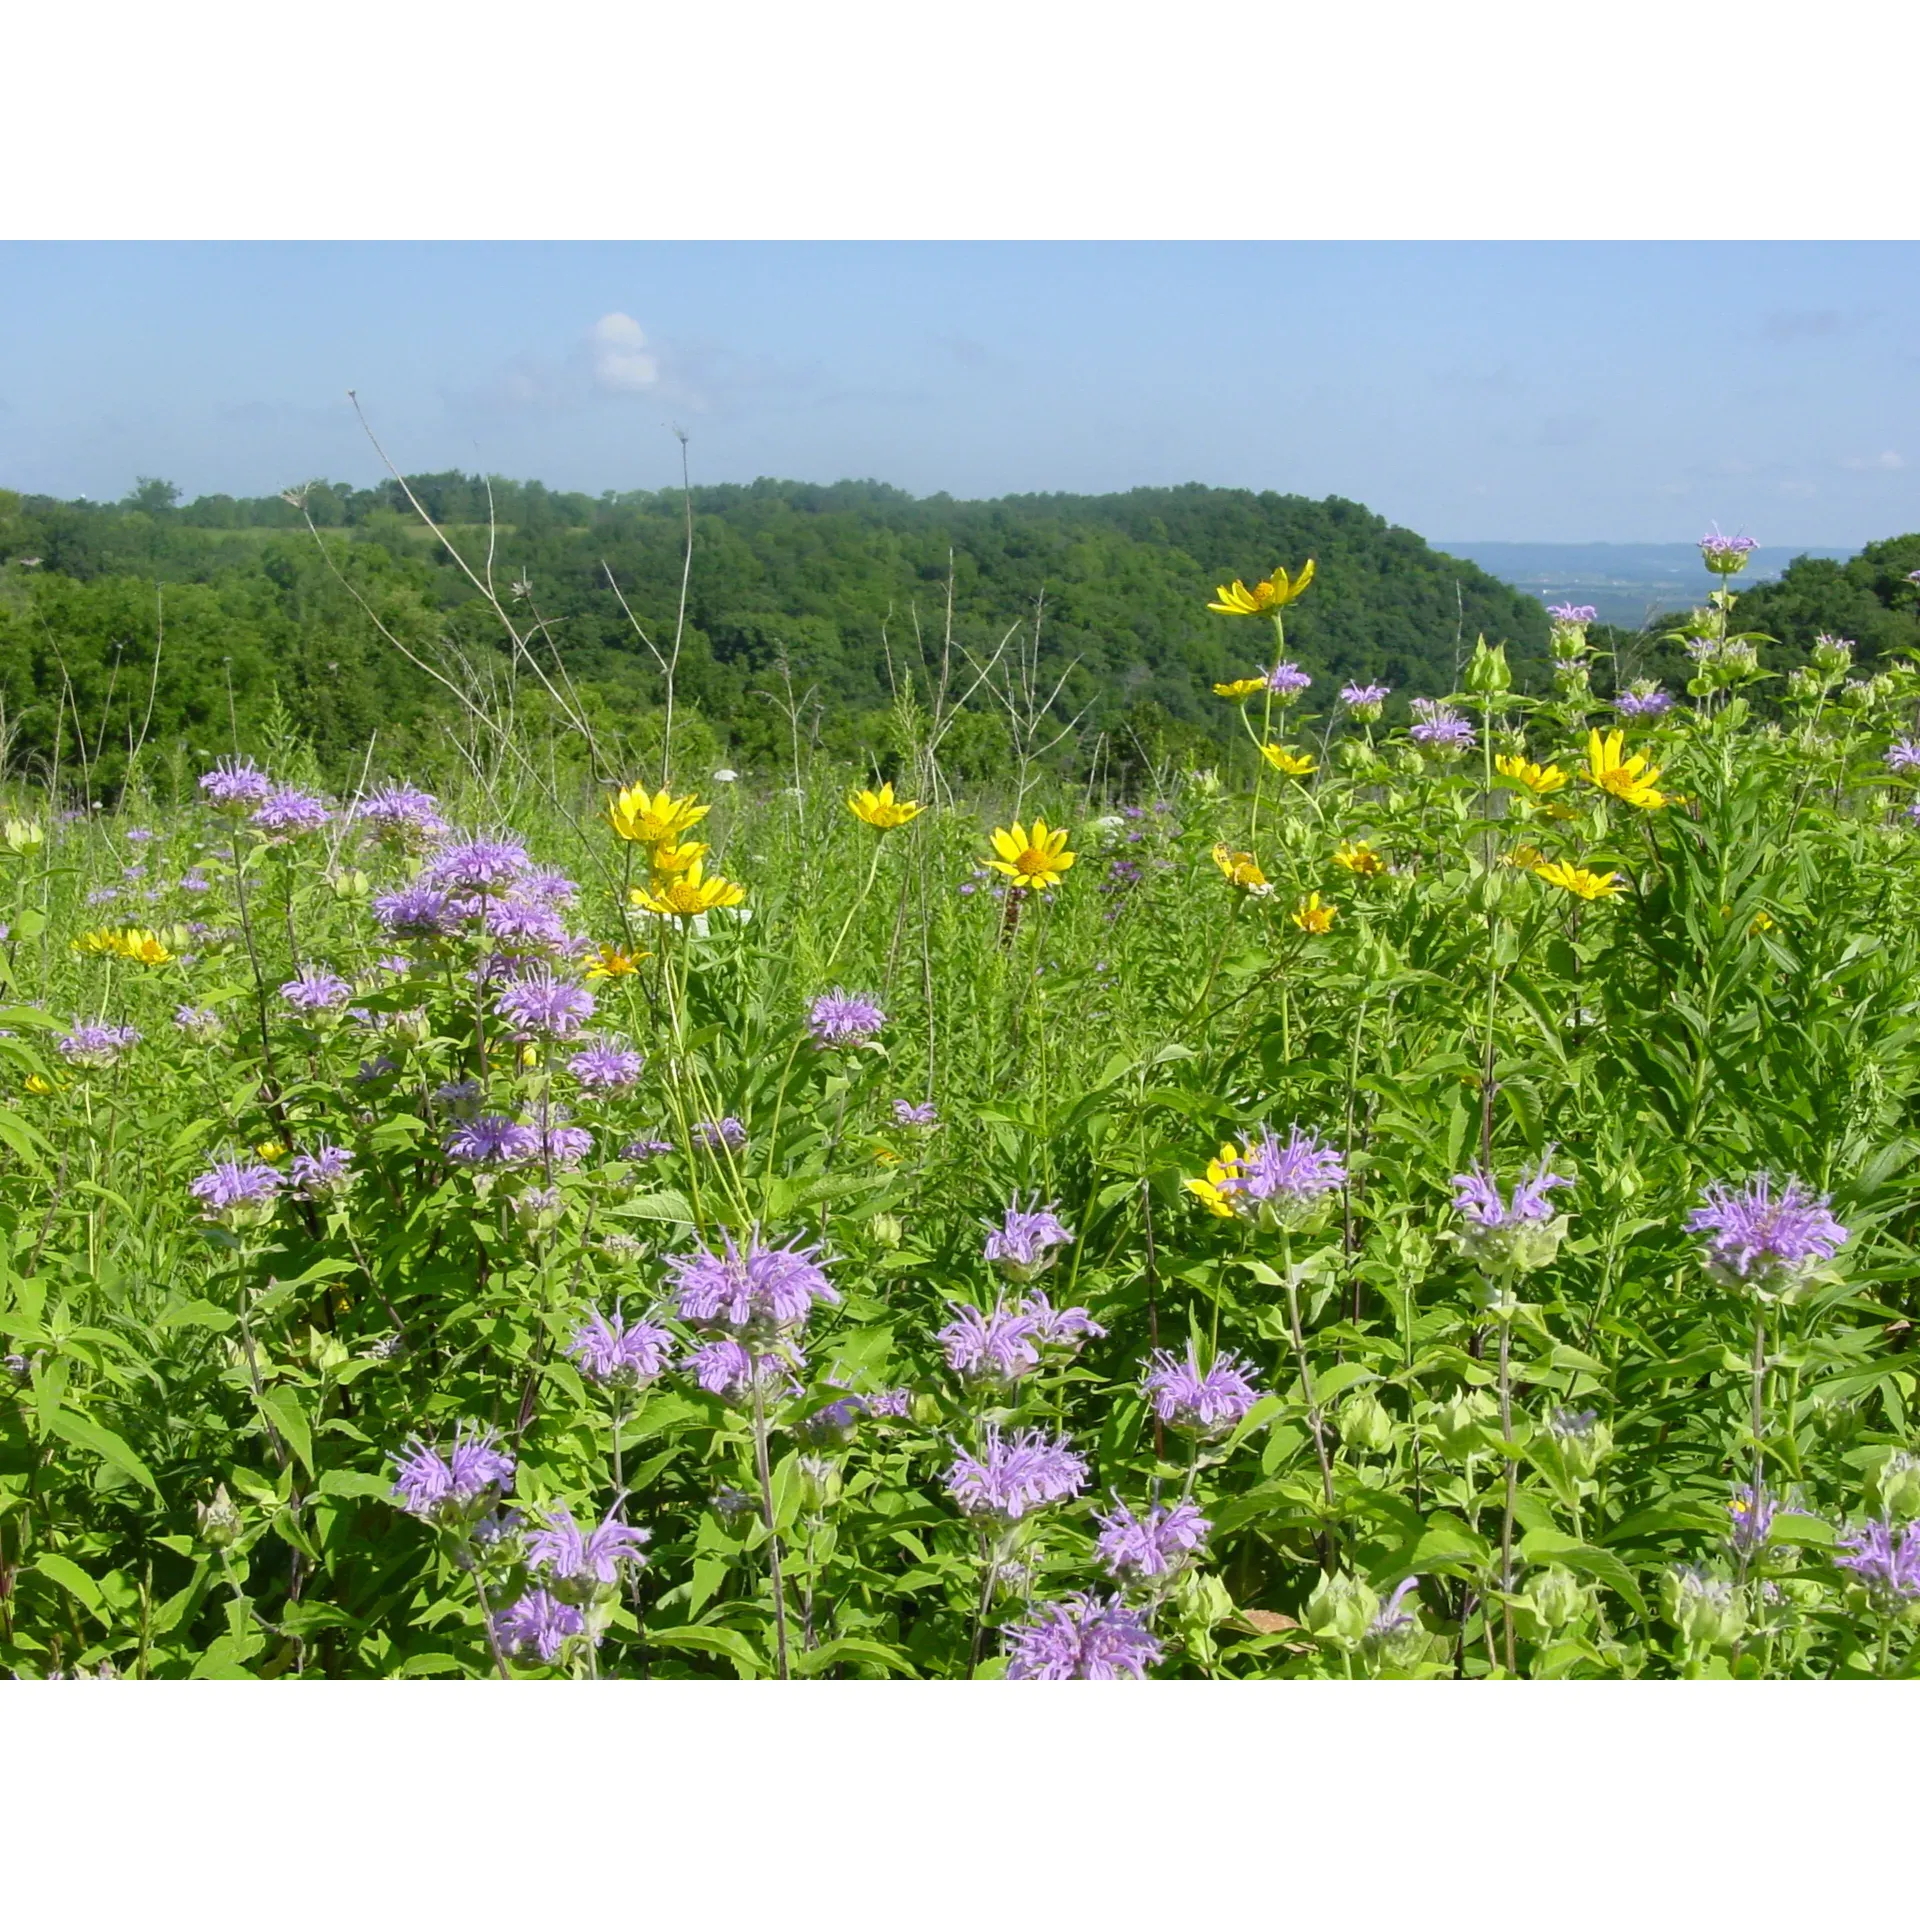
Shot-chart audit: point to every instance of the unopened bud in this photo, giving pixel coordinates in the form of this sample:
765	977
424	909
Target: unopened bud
1365	1425
1341	1609
1557	1597
218	1520
1487	671
1705	1612
1898	1485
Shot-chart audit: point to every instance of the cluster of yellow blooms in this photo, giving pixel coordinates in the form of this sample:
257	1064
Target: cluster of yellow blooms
125	943
678	884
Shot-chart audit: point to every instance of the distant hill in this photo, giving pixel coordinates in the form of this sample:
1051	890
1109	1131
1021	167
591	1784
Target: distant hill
793	587
1628	585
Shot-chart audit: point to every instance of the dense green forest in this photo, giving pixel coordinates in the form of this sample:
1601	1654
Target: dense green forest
820	599
807	607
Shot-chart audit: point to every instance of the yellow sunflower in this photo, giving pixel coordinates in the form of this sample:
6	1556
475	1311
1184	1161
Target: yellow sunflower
685	896
1538	780
1035	859
1358	856
1628	779
1239	689
1579	880
613	963
1264	596
1216	1190
881	811
1241	870
653	819
1311	917
1286	760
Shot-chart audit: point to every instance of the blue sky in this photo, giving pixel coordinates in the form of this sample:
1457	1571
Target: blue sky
1511	391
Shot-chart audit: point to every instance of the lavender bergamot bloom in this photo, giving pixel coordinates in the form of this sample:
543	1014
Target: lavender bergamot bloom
1013	1474
456	1488
237	1192
476	864
235	786
907	1114
289	811
1137	1548
1082	1638
1885	1561
417	913
605	1067
1904	756
842	1020
492	1140
1643	701
580	1565
1775	1246
1026	1243
717	1136
543	1007
989	1346
320	1172
401	814
1206	1405
759	1294
616	1355
1287	682
1364	700
314	990
730	1371
1506	1236
1438	731
95	1045
536	1628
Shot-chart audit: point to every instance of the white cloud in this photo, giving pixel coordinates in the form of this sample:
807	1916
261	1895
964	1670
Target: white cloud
621	363
1888	462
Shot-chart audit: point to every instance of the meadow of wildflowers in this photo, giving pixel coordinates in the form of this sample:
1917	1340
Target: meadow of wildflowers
1441	1206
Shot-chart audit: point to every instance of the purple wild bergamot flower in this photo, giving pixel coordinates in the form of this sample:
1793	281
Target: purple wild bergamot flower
1642	701
581	1565
1904	756
605	1066
456	1488
545	887
95	1045
1724	552
1885	1562
729	1370
758	1293
1364	700
289	811
616	1355
1288	682
891	1403
536	1628
1081	1638
1013	1474
907	1114
1026	1244
475	864
235	786
492	1140
199	1023
314	990
1753	1514
644	1150
417	913
540	1006
523	926
562	1144
1393	1621
1067	1328
1145	1547
723	1135
1438	731
838	1020
401	814
1206	1405
990	1346
1516	1235
1773	1245
323	1171
234	1192
1289	1181
1572	616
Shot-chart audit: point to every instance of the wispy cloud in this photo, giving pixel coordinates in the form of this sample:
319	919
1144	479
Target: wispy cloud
1888	462
620	357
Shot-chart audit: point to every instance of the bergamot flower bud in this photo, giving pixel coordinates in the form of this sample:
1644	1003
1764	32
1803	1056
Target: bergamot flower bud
1365	1425
1341	1609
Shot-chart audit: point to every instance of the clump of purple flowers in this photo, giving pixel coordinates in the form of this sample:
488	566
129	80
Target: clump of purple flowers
1776	1245
1081	1638
1290	1180
96	1045
1753	1514
1066	1329
758	1293
1885	1562
1438	731
454	1489
1393	1621
1025	1244
1206	1405
1150	1546
581	1565
1364	700
235	786
289	811
233	1191
475	864
492	1140
616	1355
1726	552
606	1067
536	1628
1014	1474
725	1134
730	1370
417	913
401	814
1515	1234
1643	701
1288	682
315	990
907	1114
199	1023
541	1006
1572	616
1904	756
323	1171
838	1020
996	1345
645	1149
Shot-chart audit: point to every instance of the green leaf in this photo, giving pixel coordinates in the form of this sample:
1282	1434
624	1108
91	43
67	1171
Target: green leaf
282	1407
340	1484
79	1432
872	1652
77	1581
722	1642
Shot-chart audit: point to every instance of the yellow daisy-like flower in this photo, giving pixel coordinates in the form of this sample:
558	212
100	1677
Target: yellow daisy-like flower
138	944
1626	778
1213	1190
37	1083
1537	780
271	1150
614	963
1358	856
102	940
653	819
1240	869
1762	922
1239	689
1036	858
684	896
664	861
881	811
1529	859
1311	917
1286	760
1264	596
1579	880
